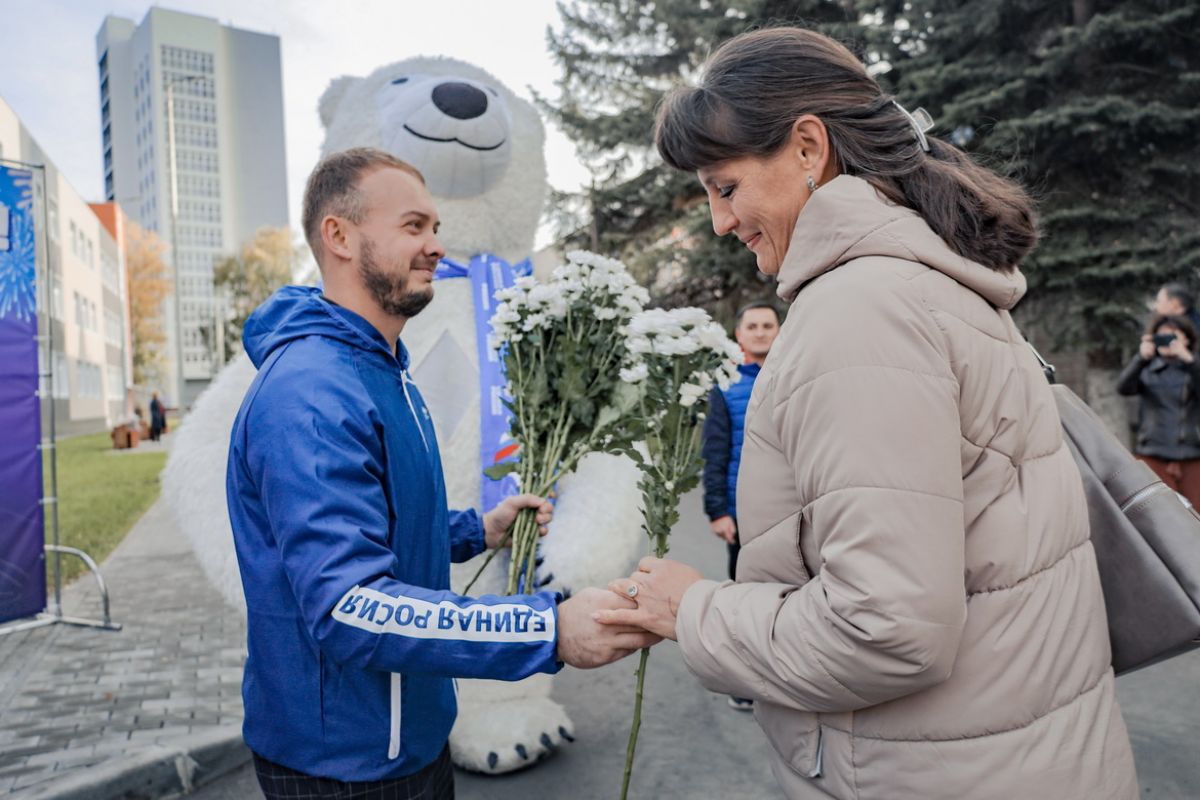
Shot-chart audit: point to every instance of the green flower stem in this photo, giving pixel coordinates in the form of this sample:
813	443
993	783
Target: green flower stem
659	538
637	723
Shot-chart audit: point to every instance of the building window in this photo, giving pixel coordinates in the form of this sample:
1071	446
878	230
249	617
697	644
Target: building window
112	327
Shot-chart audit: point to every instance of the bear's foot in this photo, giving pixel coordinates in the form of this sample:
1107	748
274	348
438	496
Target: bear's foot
509	735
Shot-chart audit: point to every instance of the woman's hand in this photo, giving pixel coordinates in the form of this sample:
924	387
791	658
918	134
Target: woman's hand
1147	351
1177	349
660	588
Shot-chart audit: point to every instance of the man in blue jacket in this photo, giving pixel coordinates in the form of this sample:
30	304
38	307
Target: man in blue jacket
755	330
344	540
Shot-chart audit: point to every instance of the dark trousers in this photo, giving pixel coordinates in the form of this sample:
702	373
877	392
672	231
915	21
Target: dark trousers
434	782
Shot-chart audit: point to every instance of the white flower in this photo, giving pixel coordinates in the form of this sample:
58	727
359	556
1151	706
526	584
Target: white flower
727	375
689	393
669	486
605	313
694	317
638	344
542	294
638	372
712	337
505	315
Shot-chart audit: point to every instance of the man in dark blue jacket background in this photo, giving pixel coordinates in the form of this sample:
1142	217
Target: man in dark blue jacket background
755	330
343	536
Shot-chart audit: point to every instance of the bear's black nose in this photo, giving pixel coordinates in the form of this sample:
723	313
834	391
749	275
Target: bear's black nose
459	100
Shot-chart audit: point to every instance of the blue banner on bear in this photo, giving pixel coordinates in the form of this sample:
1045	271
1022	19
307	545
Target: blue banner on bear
22	530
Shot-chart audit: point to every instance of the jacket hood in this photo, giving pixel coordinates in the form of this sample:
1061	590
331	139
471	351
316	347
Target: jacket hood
295	312
847	219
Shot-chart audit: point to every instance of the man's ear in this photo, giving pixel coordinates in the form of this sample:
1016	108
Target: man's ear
336	238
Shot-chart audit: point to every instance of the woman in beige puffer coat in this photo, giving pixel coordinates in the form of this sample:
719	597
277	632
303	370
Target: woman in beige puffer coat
917	612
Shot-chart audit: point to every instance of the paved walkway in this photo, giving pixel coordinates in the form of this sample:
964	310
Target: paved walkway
97	714
72	698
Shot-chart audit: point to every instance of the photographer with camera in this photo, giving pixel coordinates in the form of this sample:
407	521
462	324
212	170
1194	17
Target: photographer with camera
1165	376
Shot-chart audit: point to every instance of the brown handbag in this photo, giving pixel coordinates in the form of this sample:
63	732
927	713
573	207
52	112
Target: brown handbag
1146	537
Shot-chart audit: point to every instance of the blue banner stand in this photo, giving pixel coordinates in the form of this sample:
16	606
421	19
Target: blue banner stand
53	613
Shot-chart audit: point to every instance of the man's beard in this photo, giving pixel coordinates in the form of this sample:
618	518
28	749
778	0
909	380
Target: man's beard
391	291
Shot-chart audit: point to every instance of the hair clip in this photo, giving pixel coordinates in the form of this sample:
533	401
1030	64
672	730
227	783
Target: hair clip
921	123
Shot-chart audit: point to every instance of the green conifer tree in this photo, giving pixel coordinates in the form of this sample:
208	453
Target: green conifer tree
1095	106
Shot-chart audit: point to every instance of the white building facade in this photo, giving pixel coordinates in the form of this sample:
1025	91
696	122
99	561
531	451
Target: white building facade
193	139
82	298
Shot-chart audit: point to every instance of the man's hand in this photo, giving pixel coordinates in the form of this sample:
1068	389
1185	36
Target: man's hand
497	521
661	585
725	528
585	643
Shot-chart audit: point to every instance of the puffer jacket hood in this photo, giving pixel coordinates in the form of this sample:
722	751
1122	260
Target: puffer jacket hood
848	219
917	612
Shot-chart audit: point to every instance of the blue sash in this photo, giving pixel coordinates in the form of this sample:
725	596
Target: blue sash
489	274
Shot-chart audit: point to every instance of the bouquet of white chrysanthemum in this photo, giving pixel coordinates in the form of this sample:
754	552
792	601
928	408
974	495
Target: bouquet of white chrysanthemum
563	343
675	358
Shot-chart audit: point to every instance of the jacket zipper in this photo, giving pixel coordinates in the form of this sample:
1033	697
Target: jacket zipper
394	735
1142	494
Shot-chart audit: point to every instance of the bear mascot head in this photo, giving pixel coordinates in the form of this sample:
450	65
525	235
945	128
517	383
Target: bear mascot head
480	149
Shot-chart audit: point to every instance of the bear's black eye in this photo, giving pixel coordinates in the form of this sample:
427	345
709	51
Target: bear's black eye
399	80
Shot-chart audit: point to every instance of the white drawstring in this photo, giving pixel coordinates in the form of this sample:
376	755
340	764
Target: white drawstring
404	381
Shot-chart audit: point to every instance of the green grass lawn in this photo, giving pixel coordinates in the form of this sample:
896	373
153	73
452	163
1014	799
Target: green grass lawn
101	493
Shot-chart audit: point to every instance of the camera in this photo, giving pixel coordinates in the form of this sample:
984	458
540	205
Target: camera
1163	339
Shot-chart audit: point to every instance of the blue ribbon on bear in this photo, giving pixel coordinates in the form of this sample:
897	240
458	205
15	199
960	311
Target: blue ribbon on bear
489	274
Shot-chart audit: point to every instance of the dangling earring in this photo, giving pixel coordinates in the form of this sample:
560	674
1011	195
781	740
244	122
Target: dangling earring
812	185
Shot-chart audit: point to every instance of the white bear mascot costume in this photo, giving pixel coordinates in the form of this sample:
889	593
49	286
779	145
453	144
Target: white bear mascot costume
480	149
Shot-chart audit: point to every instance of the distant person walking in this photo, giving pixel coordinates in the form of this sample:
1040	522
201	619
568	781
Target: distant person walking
158	417
1165	377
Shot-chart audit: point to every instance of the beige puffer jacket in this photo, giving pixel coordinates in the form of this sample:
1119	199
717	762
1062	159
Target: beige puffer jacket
917	612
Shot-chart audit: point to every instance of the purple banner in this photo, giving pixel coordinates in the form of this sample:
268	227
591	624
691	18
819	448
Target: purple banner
22	530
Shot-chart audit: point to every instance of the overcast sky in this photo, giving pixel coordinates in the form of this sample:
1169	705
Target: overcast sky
48	66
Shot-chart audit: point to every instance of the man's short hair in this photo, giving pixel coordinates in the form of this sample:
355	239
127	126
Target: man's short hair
332	188
1177	291
751	306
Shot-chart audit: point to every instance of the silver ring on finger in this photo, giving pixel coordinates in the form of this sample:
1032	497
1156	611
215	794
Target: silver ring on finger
632	590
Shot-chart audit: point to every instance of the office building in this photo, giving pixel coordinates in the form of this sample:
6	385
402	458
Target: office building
192	133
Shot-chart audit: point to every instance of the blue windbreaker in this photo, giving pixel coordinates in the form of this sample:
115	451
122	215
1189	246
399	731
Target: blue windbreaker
344	542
